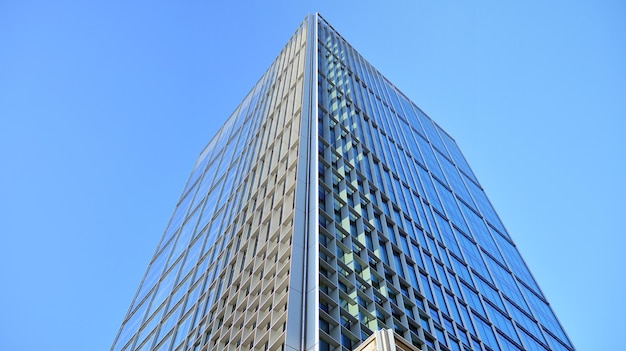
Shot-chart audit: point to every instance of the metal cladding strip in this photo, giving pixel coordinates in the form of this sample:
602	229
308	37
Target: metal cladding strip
311	301
298	320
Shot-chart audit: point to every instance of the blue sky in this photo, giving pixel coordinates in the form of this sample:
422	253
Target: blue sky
104	106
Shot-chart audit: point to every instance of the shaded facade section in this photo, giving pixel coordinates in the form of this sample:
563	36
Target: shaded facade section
408	239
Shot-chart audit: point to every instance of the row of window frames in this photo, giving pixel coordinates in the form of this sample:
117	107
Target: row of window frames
216	247
383	320
176	299
396	211
395	249
378	296
387	273
214	158
345	300
178	288
335	156
365	86
347	337
369	227
386	152
387	278
218	239
198	230
385	167
262	88
371	257
446	289
337	177
225	341
392	297
398	178
443	154
377	80
219	149
223	305
364	200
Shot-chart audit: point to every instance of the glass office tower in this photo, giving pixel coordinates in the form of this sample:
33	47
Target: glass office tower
329	207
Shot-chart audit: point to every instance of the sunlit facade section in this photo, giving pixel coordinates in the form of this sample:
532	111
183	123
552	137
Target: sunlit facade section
219	278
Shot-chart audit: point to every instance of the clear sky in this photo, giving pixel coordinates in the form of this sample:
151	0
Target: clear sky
104	106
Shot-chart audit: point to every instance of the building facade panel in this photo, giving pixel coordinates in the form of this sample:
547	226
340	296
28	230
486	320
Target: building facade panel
408	239
219	278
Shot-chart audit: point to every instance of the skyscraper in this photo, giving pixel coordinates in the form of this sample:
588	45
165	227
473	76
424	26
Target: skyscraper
329	207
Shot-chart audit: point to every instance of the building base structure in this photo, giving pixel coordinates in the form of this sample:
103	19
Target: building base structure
385	340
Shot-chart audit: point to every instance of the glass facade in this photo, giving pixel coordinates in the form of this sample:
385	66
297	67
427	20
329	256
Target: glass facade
407	237
329	206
